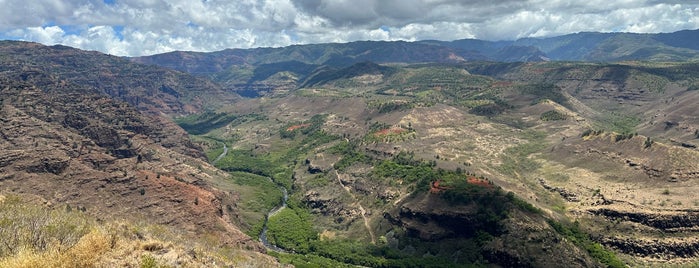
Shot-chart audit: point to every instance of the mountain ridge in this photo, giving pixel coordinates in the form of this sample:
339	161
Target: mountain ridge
238	69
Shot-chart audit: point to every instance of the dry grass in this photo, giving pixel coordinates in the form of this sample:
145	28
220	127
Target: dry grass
45	237
85	253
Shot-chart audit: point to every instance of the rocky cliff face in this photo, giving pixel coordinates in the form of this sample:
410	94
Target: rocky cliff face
70	144
149	88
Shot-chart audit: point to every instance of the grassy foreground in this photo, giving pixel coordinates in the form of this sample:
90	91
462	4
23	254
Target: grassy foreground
33	235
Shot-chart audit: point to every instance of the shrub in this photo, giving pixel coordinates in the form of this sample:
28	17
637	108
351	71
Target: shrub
148	261
553	115
647	143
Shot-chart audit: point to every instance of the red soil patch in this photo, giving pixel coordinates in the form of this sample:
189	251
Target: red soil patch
295	127
435	188
479	182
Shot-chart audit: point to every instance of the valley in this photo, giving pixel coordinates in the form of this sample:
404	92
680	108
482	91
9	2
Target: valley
548	140
374	157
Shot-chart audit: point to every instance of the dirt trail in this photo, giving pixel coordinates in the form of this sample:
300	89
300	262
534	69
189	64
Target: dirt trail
359	205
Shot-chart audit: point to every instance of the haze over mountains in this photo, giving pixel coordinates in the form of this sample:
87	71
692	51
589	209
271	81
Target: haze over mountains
578	150
248	70
586	46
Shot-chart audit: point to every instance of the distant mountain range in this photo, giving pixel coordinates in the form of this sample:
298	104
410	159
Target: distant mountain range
585	46
252	71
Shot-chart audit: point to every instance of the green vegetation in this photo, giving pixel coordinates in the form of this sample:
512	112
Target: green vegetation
591	132
625	136
404	167
348	253
391	106
619	123
291	229
647	143
516	160
313	125
575	235
654	83
308	260
211	155
428	84
247	161
490	109
543	91
349	153
258	196
148	261
553	115
197	124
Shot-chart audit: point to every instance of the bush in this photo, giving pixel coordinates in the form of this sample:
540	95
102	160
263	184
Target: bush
647	143
553	115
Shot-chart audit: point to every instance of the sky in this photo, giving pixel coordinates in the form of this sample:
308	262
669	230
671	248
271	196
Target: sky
146	27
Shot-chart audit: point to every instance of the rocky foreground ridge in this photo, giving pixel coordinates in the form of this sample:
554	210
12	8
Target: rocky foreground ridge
70	143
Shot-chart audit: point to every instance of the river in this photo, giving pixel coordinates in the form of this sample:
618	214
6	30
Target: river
225	151
274	211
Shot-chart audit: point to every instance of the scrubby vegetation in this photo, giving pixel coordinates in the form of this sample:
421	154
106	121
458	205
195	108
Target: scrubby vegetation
544	91
619	123
573	233
553	115
350	154
31	228
289	131
197	124
258	196
516	159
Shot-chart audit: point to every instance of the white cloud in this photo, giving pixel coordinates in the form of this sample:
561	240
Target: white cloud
141	27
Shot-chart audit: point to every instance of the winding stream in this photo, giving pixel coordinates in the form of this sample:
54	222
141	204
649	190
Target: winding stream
225	151
274	211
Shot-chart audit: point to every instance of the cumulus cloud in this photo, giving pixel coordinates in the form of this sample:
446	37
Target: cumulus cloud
143	27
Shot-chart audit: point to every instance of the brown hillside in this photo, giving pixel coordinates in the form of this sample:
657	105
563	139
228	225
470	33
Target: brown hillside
69	144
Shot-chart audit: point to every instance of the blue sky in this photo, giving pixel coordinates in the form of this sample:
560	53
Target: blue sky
144	27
